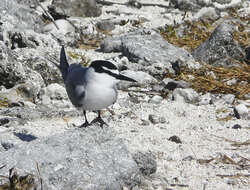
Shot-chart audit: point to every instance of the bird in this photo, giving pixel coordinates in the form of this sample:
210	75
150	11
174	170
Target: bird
91	88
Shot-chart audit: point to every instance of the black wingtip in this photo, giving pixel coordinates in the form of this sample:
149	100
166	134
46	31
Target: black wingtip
123	77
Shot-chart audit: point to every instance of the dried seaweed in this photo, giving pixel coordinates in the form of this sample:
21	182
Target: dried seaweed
202	81
88	41
17	182
4	102
193	35
243	163
196	32
238	144
238	175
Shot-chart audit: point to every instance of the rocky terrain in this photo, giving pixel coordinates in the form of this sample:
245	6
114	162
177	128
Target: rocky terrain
183	125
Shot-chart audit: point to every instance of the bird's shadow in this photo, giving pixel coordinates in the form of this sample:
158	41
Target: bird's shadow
25	137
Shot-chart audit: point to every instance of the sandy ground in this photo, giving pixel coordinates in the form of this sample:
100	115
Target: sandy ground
179	166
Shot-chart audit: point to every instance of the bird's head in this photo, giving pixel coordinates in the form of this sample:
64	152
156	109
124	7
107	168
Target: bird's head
109	69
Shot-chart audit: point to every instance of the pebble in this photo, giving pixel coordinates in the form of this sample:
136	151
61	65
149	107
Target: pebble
205	99
106	26
175	139
236	126
4	121
229	98
156	99
241	111
185	95
144	122
156	119
7	145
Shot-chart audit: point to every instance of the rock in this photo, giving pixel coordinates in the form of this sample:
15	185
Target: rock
111	44
187	95
190	5
143	47
144	122
13	72
63	25
156	99
220	48
205	99
79	156
4	121
154	58
106	26
19	17
231	82
175	139
229	98
54	95
77	8
156	119
236	126
224	4
188	158
141	77
241	111
146	162
172	84
206	13
25	92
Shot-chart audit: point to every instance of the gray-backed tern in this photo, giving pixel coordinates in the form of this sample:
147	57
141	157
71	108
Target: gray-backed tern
91	88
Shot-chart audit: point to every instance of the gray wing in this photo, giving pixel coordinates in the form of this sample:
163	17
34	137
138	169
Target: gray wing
75	84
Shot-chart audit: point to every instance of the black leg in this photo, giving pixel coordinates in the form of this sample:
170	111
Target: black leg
86	124
99	120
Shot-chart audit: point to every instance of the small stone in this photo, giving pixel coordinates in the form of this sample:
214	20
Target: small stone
231	82
156	119
16	104
144	122
205	99
229	98
171	84
162	120
153	119
106	26
7	145
156	99
241	111
175	139
4	121
232	182
124	60
236	126
187	95
188	158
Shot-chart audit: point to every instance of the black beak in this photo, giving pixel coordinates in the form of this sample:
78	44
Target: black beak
122	77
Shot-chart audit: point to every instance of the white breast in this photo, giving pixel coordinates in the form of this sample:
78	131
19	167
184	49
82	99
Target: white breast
100	91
